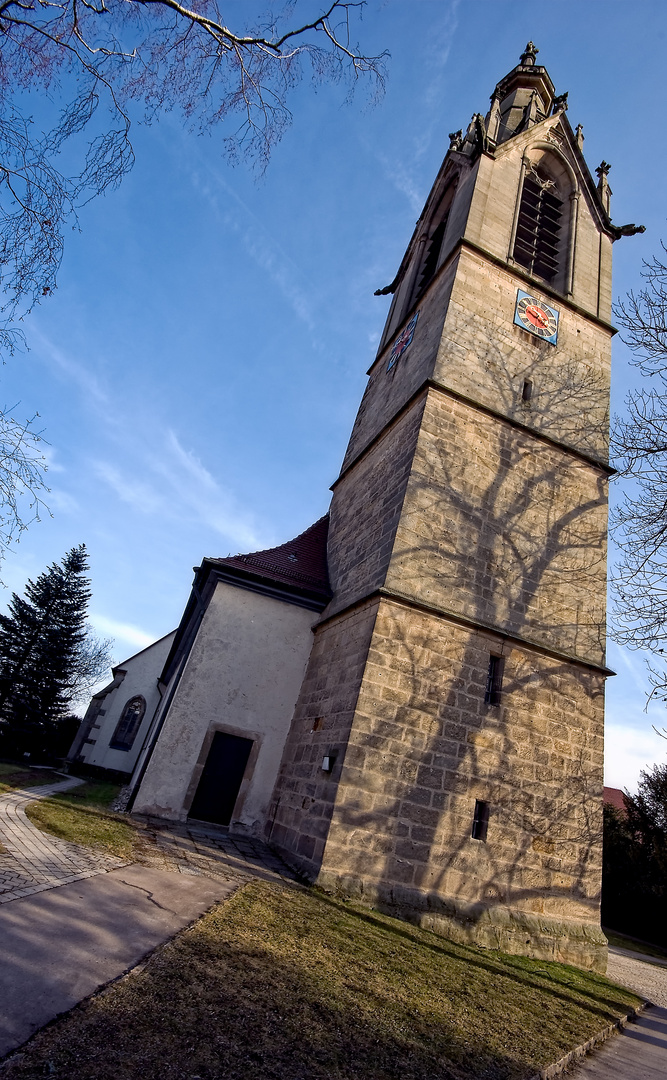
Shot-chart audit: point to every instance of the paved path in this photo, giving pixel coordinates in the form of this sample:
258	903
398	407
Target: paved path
640	1051
197	848
95	916
644	975
64	944
32	861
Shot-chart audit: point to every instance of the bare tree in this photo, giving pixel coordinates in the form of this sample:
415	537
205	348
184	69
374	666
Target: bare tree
22	468
108	57
92	664
640	446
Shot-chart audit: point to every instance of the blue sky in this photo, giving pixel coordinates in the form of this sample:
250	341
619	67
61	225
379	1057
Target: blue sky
198	370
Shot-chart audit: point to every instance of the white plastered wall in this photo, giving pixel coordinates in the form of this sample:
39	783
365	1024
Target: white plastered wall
142	672
243	676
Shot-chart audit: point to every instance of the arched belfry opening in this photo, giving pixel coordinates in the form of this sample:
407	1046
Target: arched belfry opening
539	235
430	249
545	226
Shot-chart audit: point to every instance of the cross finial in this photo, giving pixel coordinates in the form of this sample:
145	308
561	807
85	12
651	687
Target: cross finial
528	56
602	169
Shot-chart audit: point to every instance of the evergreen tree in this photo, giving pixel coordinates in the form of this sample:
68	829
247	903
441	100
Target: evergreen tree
634	878
46	652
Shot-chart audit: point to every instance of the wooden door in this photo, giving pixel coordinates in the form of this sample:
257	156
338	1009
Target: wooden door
220	781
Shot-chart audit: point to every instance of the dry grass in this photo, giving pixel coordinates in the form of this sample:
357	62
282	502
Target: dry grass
635	945
288	984
13	775
81	816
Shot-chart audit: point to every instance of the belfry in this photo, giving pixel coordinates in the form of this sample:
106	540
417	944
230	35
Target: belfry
407	700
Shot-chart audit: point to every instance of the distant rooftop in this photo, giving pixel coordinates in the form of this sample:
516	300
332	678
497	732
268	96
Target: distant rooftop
613	796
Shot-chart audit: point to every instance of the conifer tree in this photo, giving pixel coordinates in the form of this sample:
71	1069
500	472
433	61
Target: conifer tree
46	652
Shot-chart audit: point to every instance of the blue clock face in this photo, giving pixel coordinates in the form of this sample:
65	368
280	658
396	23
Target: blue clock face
537	317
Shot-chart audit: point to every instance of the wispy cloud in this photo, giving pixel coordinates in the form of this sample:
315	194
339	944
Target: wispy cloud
173	483
150	470
63	502
260	244
52	465
628	751
129	489
125	632
192	485
72	369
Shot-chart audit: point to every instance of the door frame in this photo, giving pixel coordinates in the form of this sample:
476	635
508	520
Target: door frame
225	729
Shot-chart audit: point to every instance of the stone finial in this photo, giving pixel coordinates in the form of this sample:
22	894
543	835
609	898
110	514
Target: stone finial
529	54
579	136
603	184
455	139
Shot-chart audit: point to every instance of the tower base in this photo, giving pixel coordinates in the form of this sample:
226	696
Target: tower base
519	933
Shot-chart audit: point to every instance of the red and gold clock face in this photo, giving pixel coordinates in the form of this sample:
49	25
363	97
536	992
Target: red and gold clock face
536	317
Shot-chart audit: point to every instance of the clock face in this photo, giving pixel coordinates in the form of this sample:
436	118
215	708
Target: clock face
536	317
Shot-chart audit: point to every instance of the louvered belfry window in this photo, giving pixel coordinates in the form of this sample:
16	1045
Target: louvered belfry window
538	230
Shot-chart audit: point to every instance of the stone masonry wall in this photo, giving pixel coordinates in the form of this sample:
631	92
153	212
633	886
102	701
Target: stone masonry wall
388	391
484	356
366	508
504	530
305	794
423	747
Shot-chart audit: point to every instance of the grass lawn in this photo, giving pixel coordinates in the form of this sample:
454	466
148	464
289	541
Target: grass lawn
81	815
13	775
289	984
644	947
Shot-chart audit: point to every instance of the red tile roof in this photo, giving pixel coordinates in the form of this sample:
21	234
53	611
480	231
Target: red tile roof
301	562
613	796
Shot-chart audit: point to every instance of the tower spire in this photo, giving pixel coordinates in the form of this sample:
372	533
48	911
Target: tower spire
525	96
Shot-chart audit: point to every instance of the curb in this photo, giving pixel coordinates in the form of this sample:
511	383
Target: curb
580	1052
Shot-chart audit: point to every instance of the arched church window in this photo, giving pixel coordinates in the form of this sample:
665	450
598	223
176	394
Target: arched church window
128	725
539	228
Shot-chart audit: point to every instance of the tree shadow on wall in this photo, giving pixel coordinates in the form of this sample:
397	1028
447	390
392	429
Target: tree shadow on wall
503	531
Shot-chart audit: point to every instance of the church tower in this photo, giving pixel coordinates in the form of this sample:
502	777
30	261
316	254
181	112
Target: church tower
445	756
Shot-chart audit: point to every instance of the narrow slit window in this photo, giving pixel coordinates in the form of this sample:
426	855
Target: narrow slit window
527	391
537	244
480	822
494	680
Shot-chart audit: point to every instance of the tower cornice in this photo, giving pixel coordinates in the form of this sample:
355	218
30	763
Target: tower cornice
403	599
434	384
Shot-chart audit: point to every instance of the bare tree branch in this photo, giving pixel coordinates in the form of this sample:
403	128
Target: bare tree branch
156	54
640	446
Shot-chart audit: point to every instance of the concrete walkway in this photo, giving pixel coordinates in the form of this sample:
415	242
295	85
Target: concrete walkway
194	847
640	1051
32	861
643	974
64	944
97	917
